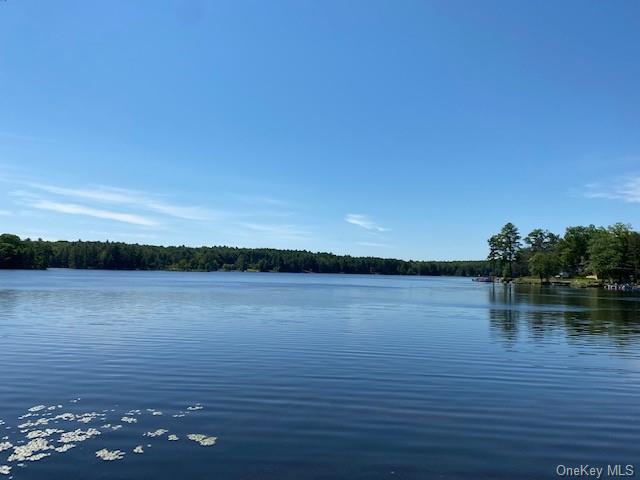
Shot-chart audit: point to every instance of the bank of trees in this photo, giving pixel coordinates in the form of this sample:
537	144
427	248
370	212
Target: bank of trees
610	253
123	256
15	253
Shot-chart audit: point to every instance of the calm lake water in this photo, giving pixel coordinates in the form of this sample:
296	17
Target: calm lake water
316	376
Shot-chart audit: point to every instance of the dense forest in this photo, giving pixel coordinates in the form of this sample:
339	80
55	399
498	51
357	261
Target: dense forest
17	253
609	253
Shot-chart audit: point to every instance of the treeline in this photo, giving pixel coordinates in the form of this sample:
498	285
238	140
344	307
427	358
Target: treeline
609	253
17	253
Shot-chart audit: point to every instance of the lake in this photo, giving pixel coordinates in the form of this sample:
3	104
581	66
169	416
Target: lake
303	376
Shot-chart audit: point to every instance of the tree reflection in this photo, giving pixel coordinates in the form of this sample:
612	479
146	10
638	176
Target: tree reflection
503	317
577	313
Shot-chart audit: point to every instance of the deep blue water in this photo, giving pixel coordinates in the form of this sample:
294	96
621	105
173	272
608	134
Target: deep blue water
318	376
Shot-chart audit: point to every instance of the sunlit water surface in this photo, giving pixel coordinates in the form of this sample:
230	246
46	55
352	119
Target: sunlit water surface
317	376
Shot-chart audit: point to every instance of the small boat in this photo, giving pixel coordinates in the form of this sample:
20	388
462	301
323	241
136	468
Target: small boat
482	279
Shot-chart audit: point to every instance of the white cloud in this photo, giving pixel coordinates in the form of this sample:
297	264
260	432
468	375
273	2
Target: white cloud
121	196
626	190
373	244
260	200
74	209
5	213
186	213
364	221
122	235
100	194
277	230
264	221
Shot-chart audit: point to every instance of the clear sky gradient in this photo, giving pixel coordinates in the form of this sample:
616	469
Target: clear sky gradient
410	129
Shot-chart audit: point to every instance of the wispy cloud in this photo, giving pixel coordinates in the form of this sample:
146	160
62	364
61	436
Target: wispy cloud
141	200
373	244
74	209
122	235
277	230
364	221
261	200
253	217
624	189
5	213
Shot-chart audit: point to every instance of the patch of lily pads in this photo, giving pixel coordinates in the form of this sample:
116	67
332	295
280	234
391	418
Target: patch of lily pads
46	432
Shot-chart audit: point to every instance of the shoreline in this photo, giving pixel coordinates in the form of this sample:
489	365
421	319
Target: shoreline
578	282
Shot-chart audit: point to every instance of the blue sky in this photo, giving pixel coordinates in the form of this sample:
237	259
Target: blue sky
410	129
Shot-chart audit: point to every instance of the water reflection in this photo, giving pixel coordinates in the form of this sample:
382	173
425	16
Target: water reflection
312	376
540	311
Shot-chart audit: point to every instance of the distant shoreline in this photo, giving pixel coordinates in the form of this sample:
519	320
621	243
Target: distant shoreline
41	254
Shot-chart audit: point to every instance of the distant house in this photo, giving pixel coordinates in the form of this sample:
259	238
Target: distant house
593	277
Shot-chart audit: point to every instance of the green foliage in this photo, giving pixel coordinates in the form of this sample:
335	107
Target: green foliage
15	253
611	253
504	248
573	249
544	264
122	256
541	240
604	257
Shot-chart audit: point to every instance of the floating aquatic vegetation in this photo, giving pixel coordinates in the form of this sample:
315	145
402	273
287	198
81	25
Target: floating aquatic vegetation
78	435
30	451
88	417
34	445
43	433
202	439
65	447
37	423
45	421
37	456
110	455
